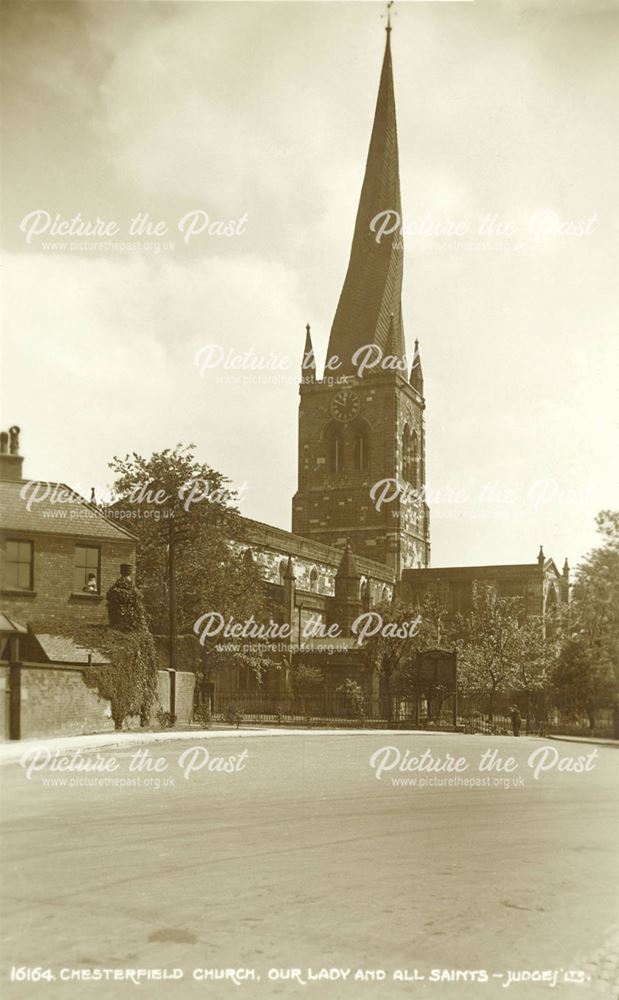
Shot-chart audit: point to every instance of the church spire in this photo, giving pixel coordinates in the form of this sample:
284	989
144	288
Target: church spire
373	284
416	378
308	366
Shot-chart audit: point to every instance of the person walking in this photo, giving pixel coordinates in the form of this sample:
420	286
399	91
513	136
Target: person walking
516	718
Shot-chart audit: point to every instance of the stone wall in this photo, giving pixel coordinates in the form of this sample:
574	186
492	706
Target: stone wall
331	506
4	703
184	685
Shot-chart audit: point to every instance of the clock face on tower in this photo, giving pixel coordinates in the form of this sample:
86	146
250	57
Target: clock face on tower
345	405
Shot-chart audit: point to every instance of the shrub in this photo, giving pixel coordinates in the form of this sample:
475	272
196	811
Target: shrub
233	716
165	719
203	716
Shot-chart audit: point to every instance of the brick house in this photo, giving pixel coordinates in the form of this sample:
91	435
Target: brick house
58	553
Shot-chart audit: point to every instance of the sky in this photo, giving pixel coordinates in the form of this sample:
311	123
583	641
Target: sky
258	115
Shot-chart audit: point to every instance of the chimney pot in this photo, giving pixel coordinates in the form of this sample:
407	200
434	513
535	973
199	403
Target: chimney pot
14	439
10	460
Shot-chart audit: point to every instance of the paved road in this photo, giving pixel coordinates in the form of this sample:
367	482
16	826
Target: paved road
302	859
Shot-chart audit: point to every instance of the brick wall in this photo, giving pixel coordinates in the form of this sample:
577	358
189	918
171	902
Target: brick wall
57	701
52	598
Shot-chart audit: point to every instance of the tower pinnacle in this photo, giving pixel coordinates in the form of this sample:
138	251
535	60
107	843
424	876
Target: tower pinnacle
416	376
308	367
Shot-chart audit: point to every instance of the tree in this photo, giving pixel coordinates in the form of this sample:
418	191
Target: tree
582	684
354	697
129	680
534	657
392	651
586	676
306	679
487	649
190	552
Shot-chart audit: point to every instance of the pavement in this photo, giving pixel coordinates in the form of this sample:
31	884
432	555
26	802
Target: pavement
282	856
14	750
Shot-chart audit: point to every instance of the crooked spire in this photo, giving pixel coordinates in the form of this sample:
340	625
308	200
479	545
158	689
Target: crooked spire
373	285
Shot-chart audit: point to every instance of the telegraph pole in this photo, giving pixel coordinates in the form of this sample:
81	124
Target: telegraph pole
172	593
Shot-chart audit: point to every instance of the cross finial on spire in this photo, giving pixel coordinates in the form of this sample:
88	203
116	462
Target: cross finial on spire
389	6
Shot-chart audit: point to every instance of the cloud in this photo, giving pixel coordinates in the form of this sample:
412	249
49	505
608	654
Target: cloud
266	109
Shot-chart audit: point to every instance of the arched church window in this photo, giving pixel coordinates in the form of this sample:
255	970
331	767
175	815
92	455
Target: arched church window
313	580
361	450
335	449
248	557
364	595
282	569
407	456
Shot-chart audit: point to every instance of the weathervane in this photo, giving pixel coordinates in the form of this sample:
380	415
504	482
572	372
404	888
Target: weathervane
388	15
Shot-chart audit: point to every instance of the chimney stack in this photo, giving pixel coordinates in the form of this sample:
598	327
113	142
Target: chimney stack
10	460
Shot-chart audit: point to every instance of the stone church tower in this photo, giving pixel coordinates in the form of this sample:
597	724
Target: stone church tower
361	427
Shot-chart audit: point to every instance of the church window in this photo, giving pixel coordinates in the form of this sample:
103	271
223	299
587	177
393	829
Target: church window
335	447
415	477
407	456
314	579
361	450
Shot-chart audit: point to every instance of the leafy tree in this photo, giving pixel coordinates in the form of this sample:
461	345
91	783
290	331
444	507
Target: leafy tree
488	644
534	657
129	681
586	676
354	696
392	651
306	679
582	684
184	510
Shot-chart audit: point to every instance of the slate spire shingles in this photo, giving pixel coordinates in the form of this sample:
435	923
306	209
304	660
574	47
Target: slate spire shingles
373	284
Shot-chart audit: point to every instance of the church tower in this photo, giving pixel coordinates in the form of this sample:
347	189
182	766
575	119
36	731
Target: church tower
361	427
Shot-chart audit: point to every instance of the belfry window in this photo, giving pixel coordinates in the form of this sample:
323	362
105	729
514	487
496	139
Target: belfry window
361	450
335	450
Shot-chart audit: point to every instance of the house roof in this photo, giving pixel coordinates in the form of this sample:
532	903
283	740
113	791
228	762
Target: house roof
8	624
54	509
